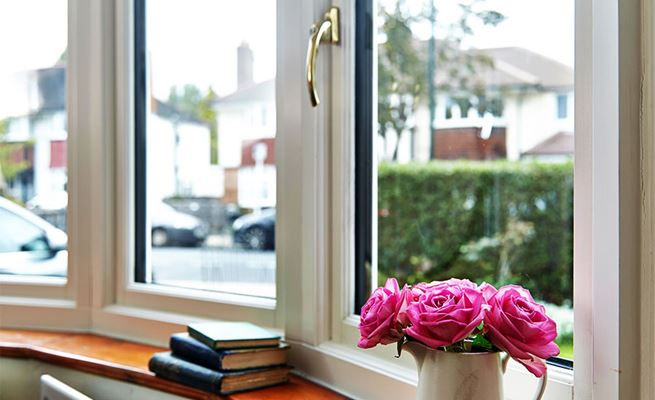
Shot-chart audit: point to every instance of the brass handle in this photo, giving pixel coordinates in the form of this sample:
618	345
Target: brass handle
327	31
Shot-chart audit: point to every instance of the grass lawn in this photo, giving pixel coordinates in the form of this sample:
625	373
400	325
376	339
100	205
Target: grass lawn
566	349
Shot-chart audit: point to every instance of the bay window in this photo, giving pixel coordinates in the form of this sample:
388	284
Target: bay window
202	184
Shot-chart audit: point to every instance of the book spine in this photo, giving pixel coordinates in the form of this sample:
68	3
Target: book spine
174	369
196	352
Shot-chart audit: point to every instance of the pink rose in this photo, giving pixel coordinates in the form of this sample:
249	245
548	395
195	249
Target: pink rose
446	313
465	283
519	326
487	290
418	289
379	319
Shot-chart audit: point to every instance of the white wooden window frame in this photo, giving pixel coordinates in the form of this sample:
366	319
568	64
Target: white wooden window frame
176	301
607	223
315	214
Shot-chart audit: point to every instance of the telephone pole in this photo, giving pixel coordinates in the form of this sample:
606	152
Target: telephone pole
432	66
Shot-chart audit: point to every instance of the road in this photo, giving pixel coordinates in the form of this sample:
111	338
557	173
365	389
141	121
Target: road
228	270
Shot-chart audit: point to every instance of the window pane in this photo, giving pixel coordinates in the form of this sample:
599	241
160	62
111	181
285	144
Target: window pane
33	138
211	145
474	146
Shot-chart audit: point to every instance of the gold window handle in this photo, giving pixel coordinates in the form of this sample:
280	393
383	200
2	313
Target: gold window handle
325	31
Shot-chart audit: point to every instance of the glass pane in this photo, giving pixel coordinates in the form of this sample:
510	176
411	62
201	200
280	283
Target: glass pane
474	146
33	138
211	144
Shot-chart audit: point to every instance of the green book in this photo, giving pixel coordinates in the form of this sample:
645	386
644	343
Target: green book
232	335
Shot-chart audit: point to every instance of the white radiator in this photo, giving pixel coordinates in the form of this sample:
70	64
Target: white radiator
53	389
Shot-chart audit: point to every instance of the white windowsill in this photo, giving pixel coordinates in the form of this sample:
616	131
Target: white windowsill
32	280
204	295
360	375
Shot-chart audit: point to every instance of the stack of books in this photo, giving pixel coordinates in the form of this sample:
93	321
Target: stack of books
223	358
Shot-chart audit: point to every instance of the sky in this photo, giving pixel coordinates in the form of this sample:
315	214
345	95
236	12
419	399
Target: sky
543	26
195	41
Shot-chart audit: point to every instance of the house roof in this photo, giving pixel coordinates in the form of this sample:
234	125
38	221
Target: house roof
260	91
561	143
52	88
520	66
513	67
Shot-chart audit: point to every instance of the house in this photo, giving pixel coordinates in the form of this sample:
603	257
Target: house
38	126
533	97
178	158
246	137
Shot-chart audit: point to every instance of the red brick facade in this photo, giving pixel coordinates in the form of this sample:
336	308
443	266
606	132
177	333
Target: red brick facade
466	144
247	148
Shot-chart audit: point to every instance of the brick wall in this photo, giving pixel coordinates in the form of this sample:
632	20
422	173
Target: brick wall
466	144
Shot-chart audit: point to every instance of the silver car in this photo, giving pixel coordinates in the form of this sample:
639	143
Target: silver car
29	245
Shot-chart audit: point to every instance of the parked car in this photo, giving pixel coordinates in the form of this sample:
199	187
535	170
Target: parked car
29	245
173	228
256	230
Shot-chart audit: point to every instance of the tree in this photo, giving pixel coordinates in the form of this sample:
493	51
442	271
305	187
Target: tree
401	76
402	72
9	167
207	113
191	101
186	100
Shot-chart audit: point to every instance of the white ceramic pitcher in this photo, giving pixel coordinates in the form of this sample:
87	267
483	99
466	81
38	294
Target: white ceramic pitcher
460	376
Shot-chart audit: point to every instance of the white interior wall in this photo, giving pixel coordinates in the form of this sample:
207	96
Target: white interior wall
19	379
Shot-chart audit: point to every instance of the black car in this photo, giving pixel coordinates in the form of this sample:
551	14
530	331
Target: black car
256	231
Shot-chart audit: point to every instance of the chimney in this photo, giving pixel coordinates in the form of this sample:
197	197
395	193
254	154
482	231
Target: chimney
244	66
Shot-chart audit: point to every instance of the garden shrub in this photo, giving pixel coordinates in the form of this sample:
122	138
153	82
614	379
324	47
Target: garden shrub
494	221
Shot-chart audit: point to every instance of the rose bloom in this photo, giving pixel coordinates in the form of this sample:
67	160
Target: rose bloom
518	325
487	290
418	289
379	319
445	313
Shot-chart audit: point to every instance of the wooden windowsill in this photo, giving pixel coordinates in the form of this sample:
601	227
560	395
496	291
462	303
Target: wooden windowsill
127	361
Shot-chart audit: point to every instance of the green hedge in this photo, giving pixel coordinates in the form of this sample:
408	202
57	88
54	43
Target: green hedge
470	219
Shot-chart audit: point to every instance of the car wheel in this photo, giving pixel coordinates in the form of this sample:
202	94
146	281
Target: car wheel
159	237
255	238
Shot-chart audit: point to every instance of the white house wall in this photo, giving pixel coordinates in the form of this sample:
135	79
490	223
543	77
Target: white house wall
242	121
257	186
47	128
20	94
195	176
531	119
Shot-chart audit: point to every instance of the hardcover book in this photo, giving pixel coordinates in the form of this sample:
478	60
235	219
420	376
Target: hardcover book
232	335
167	366
192	350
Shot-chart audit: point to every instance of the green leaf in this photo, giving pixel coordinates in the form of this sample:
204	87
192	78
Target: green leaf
482	342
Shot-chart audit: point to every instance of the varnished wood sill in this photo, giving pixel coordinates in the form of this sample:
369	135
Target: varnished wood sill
127	361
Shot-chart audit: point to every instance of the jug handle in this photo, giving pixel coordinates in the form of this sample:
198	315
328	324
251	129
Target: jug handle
541	389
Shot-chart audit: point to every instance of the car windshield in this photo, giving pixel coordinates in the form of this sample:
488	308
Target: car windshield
23	233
